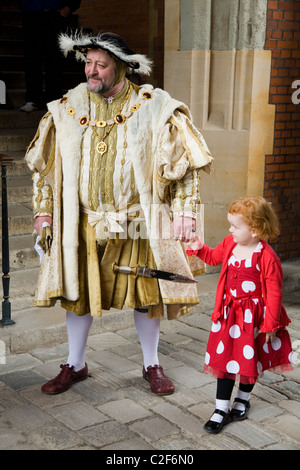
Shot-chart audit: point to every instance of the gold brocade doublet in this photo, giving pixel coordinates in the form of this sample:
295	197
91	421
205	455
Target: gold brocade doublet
100	180
98	167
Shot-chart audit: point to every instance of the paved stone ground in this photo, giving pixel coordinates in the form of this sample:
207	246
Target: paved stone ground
114	410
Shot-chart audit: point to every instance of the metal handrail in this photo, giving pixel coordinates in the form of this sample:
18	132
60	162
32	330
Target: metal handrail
6	306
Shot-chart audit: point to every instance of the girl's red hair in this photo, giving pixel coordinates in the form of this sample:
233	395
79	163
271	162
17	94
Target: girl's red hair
258	214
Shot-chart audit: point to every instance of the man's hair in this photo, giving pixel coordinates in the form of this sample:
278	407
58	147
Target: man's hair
258	215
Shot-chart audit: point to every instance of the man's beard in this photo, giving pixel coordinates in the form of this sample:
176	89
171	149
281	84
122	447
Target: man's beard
101	88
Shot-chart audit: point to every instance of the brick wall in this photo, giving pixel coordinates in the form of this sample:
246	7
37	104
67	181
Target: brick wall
282	170
140	23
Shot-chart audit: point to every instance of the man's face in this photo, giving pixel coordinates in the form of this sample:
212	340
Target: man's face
100	71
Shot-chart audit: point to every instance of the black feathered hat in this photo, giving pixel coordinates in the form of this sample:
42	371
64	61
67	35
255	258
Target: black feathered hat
111	43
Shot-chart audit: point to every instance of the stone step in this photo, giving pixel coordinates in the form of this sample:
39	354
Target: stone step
15	79
19	189
19	166
16	139
12	62
20	220
11	16
15	98
16	62
11	32
22	288
15	119
11	47
22	254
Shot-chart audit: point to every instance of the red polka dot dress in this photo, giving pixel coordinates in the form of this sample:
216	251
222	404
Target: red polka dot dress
235	345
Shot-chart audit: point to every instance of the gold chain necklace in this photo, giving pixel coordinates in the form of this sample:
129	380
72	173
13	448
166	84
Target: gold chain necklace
119	118
101	147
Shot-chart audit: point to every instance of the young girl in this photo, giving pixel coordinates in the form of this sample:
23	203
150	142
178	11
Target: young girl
248	333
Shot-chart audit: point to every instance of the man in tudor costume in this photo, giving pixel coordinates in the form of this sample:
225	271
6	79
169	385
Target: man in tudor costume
116	180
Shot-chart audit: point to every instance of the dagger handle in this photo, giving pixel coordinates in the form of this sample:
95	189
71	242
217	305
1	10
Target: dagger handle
124	269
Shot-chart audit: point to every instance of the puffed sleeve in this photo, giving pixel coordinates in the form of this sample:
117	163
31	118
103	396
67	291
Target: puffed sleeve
42	200
39	157
182	155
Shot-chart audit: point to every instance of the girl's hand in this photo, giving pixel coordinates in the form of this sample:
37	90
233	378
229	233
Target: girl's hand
270	336
194	247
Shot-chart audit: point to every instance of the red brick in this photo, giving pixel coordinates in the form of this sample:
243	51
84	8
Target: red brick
287	44
272	5
285	5
277	15
289	15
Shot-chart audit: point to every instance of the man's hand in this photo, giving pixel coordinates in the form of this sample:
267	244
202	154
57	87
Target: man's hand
39	220
183	228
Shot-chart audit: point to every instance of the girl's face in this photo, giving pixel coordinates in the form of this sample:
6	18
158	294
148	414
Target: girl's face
241	232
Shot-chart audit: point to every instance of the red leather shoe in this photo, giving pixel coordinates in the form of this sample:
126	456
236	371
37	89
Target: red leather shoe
63	381
159	383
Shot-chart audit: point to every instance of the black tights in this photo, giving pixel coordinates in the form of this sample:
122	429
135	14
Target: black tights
225	387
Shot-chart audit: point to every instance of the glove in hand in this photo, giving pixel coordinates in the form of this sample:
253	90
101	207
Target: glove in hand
45	239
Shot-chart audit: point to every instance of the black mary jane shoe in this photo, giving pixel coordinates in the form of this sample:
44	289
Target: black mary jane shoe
240	415
213	427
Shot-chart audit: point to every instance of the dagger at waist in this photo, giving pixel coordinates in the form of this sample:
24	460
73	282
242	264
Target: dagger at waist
143	271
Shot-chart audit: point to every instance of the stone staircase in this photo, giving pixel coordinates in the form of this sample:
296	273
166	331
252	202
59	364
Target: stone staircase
17	129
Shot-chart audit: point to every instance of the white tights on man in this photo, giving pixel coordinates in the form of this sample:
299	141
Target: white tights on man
78	329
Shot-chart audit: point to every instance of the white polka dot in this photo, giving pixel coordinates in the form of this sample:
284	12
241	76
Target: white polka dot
231	260
276	344
216	327
233	292
266	348
248	286
220	347
248	316
248	263
232	367
259	367
207	358
225	312
248	352
257	267
235	331
291	357
255	301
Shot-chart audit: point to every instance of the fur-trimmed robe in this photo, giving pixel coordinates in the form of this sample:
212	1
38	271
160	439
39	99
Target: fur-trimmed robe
61	170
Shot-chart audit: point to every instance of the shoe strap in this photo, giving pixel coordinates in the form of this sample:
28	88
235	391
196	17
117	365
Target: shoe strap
220	412
240	400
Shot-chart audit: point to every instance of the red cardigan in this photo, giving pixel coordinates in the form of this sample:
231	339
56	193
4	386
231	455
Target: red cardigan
271	281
